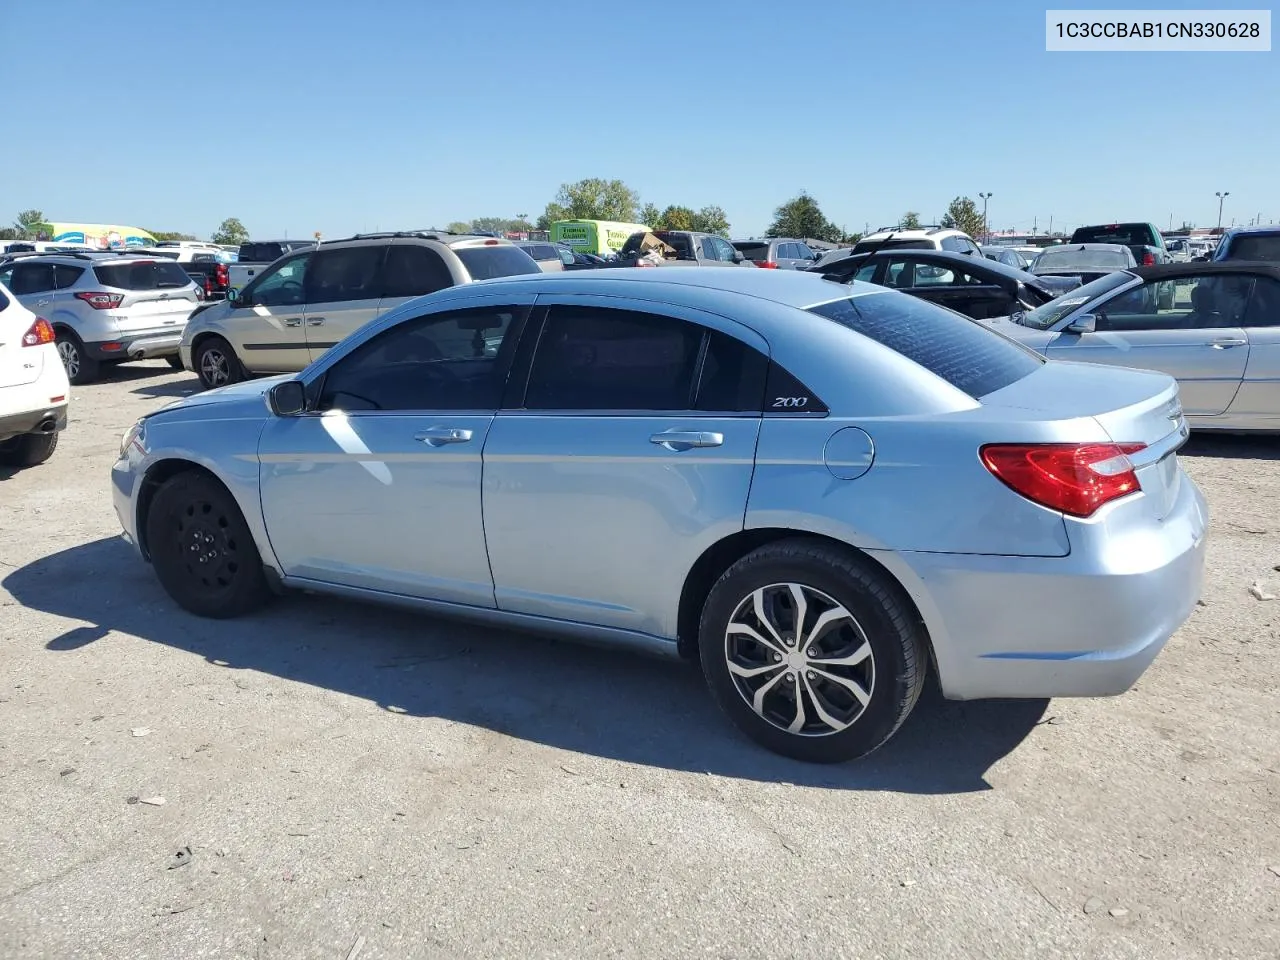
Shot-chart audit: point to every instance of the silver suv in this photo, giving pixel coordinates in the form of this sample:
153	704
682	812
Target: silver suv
105	308
306	302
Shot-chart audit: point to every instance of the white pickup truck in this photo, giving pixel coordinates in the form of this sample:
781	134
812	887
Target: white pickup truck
255	256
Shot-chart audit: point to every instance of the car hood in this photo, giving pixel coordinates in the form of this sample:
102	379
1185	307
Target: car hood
1037	340
233	402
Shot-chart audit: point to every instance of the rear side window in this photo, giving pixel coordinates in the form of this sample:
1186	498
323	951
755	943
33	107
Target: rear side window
142	275
66	275
412	271
592	358
503	260
338	276
733	376
967	355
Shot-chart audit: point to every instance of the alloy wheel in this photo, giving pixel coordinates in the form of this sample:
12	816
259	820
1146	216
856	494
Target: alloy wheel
800	659
215	368
70	357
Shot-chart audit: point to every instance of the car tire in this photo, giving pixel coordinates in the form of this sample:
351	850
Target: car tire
216	363
175	362
28	450
80	367
202	550
746	645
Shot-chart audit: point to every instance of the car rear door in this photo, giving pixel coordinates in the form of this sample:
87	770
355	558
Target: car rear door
412	269
264	326
1258	401
612	465
343	292
1199	339
31	283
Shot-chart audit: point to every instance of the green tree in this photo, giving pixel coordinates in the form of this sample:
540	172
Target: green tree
230	231
963	214
909	221
651	216
802	217
459	226
30	224
493	224
594	199
711	220
10	233
171	235
553	213
677	218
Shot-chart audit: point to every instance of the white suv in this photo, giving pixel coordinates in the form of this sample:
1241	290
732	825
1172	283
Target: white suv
33	386
105	308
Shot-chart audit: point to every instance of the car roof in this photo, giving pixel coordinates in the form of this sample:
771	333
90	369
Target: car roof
1258	268
921	234
966	260
1264	228
1109	247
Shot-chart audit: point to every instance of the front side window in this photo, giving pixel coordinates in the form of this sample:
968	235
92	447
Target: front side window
342	275
865	272
1264	307
443	361
413	270
282	284
1250	247
724	249
591	358
1198	303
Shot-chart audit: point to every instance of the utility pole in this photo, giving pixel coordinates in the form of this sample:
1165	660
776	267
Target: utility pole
986	230
1034	221
1051	224
1221	195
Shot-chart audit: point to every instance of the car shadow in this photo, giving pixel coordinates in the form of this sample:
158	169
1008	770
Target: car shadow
1232	446
594	701
185	387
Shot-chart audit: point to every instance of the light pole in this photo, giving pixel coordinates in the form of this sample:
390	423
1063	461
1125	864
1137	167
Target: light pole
1221	195
986	231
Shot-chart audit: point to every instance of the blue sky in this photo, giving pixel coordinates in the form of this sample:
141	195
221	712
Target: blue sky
332	115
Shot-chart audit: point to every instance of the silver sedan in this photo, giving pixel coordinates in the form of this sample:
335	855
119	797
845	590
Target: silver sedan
1215	327
822	491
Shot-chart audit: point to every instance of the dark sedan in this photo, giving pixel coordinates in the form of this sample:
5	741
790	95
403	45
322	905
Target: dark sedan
979	288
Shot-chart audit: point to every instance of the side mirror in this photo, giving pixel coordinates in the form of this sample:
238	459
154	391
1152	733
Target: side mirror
288	399
738	257
1085	323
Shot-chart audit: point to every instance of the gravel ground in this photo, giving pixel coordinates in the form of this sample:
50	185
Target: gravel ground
341	780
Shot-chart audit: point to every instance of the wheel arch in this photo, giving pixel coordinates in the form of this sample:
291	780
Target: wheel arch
157	475
720	556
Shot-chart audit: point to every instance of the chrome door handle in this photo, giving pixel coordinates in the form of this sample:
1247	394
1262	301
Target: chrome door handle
315	321
687	439
1225	342
437	436
293	322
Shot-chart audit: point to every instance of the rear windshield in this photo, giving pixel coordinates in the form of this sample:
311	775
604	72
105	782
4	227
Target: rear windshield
485	263
142	275
1129	234
759	252
1265	247
1067	259
260	252
680	242
862	246
969	356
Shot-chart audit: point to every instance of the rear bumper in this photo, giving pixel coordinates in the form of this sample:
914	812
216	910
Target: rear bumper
45	420
1085	625
137	345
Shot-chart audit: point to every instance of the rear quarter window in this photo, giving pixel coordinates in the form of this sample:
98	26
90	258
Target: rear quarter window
963	352
142	275
486	263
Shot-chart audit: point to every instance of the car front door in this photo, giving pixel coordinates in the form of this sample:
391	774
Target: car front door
1258	401
617	464
264	326
343	293
378	488
1199	339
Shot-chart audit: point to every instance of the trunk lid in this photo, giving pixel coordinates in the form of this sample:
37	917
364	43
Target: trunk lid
19	365
1132	406
156	293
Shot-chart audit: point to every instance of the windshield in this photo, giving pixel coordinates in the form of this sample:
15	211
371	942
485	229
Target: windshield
1265	247
1069	258
1042	318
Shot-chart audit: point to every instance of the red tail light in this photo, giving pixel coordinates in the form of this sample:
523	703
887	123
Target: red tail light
220	274
1148	259
41	332
644	263
101	301
1075	478
766	264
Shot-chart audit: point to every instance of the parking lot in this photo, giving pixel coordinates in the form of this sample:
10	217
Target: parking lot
329	780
